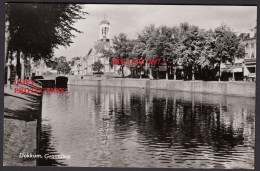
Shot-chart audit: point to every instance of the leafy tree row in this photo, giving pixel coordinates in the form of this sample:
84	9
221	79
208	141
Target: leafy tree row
35	30
195	52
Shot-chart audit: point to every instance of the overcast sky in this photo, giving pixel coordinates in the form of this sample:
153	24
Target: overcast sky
131	19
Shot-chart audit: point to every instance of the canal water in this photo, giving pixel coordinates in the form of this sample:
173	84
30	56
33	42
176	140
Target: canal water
128	127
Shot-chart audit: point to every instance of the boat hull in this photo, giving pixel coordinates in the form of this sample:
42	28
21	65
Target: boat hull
61	82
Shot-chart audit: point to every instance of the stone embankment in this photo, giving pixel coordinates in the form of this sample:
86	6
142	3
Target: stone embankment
234	88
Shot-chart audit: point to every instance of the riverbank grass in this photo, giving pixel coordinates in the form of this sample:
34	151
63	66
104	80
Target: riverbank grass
21	112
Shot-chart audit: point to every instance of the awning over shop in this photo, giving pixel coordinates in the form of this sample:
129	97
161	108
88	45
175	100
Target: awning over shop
238	70
226	70
248	66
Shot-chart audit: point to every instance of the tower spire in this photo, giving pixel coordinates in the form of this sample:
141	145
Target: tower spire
104	29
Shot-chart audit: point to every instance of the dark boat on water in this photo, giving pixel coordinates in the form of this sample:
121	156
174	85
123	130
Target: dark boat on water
61	81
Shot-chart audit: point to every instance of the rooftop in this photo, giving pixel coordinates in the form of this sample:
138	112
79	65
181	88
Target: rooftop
104	22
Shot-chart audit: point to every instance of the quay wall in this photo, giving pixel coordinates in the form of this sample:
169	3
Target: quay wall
236	88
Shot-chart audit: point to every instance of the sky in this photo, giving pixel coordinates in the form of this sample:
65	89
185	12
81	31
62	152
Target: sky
131	19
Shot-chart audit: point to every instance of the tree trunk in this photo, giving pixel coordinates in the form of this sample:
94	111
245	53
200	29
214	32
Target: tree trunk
219	71
167	72
18	64
200	72
7	56
122	68
150	73
7	42
193	73
175	72
157	75
140	72
29	68
205	74
233	74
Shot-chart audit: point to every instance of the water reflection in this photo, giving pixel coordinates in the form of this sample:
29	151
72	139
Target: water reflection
47	148
119	127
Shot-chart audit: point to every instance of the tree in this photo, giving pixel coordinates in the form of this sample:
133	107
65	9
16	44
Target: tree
120	50
138	55
227	46
62	59
37	29
198	51
149	36
191	45
63	67
160	43
206	61
166	47
97	66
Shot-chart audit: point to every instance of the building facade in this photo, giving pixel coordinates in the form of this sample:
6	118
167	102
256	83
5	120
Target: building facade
250	56
95	53
79	66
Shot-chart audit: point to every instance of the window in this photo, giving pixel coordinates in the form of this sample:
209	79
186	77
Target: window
252	50
247	51
251	69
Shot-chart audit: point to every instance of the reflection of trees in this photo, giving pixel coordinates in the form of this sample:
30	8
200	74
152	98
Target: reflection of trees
122	113
97	100
187	122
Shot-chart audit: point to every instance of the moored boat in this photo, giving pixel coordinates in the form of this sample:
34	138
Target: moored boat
61	81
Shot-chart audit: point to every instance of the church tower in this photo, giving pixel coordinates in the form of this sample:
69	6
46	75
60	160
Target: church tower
104	30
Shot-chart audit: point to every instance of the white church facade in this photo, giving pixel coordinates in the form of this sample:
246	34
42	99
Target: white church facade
95	54
84	64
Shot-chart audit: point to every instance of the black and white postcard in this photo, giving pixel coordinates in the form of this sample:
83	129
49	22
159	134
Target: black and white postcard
130	86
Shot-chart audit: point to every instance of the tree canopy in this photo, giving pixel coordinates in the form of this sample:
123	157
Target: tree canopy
63	67
97	66
37	29
121	49
197	51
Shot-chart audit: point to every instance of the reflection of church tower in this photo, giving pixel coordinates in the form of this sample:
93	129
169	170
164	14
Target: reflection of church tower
104	31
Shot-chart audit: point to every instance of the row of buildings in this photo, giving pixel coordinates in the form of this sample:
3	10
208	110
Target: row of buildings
243	68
